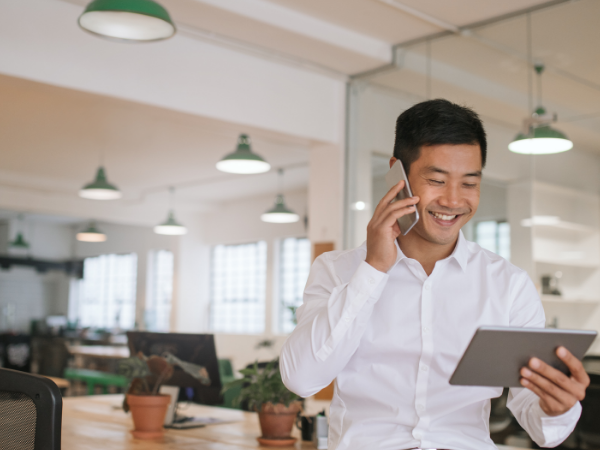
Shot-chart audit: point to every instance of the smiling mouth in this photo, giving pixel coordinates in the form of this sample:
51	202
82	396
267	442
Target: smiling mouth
444	219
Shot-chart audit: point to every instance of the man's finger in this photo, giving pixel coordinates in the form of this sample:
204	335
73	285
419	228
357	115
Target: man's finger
548	403
393	216
575	367
554	375
387	198
561	395
391	208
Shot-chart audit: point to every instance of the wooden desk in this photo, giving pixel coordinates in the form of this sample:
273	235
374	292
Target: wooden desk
99	423
99	351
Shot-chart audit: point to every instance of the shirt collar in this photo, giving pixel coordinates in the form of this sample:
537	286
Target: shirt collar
460	252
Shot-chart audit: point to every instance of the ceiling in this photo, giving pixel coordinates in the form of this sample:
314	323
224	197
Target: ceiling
488	70
54	138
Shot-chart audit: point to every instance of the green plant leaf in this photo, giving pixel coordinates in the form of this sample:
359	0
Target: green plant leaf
133	368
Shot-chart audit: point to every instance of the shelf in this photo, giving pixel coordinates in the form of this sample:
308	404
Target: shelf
559	299
569	262
568	226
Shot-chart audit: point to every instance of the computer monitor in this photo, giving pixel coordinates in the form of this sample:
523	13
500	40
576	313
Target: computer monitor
194	348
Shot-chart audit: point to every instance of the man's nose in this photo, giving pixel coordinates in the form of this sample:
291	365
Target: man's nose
451	197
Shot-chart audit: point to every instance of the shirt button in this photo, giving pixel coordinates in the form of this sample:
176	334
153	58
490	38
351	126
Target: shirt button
424	368
425	330
420	408
417	435
371	280
427	286
347	319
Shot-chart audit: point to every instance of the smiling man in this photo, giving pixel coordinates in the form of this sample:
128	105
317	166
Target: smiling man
388	321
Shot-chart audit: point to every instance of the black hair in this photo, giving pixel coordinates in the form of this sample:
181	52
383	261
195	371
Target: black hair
435	122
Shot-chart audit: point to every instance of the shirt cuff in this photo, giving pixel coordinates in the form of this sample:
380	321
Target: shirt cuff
557	428
368	281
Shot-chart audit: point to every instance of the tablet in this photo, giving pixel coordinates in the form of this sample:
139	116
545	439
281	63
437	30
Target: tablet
496	354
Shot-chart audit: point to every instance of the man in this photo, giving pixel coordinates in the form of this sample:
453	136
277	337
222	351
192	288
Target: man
389	321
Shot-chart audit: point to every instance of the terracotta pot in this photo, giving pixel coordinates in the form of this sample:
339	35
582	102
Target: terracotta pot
148	413
277	421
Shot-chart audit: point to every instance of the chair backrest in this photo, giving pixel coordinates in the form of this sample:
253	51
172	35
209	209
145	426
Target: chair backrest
30	412
587	427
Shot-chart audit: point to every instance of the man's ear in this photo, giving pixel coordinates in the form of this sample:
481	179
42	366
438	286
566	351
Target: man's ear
392	161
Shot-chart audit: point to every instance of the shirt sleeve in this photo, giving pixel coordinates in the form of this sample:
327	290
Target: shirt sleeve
546	431
331	321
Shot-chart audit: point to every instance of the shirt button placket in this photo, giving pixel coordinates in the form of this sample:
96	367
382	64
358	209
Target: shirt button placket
426	354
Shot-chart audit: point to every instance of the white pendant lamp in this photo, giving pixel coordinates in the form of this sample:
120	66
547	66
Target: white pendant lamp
243	160
170	227
100	188
91	234
280	213
127	20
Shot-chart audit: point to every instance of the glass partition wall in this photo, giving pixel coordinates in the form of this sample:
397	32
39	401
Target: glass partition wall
542	212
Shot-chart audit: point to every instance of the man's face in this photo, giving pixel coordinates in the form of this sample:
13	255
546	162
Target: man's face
447	178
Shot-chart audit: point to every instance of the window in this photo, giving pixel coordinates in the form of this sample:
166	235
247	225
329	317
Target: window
294	269
494	236
238	282
159	290
105	297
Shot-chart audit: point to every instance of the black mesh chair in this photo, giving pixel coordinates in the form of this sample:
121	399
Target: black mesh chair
30	412
588	428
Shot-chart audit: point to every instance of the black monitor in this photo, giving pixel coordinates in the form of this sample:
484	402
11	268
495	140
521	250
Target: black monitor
194	348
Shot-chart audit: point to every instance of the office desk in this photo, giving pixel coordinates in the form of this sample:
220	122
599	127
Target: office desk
99	423
99	351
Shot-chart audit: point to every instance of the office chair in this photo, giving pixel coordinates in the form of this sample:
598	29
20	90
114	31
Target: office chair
30	412
588	428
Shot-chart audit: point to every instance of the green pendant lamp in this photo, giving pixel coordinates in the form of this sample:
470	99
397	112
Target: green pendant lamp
170	227
91	234
542	139
100	188
243	160
19	242
127	20
538	137
280	213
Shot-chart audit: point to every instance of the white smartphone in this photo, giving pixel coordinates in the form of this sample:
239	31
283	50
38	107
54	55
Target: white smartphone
392	178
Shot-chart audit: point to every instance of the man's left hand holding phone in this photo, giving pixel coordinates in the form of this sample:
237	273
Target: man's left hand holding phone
383	229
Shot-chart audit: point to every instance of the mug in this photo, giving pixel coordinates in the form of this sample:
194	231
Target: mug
306	426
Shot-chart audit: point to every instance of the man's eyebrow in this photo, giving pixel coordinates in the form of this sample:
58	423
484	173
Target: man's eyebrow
434	169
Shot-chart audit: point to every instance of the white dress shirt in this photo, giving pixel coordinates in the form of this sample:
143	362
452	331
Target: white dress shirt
392	341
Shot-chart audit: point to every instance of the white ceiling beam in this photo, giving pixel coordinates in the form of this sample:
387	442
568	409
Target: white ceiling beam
308	26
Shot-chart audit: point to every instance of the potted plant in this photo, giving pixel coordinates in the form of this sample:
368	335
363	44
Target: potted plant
277	407
148	407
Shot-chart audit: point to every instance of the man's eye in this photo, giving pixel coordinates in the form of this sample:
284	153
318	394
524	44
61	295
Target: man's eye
470	185
436	181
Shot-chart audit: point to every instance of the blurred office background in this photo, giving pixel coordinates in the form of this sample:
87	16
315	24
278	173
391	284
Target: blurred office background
316	86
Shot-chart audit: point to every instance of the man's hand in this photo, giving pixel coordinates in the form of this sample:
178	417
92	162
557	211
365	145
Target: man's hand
383	228
557	392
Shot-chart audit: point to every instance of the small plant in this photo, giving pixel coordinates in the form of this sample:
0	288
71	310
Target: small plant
147	374
262	386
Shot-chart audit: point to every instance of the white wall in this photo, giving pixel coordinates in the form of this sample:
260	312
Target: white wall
233	223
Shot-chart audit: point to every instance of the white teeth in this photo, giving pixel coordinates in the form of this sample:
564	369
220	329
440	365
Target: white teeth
443	217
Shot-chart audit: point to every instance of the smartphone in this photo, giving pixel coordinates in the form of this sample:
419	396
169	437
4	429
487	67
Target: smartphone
392	178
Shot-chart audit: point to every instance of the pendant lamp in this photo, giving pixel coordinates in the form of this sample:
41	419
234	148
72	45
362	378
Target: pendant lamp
243	160
127	20
170	226
538	137
19	242
91	234
100	188
280	213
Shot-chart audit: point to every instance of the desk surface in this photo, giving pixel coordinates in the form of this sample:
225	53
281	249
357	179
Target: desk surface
99	423
99	351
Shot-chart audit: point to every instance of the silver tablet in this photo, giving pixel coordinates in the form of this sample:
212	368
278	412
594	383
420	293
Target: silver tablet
496	354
